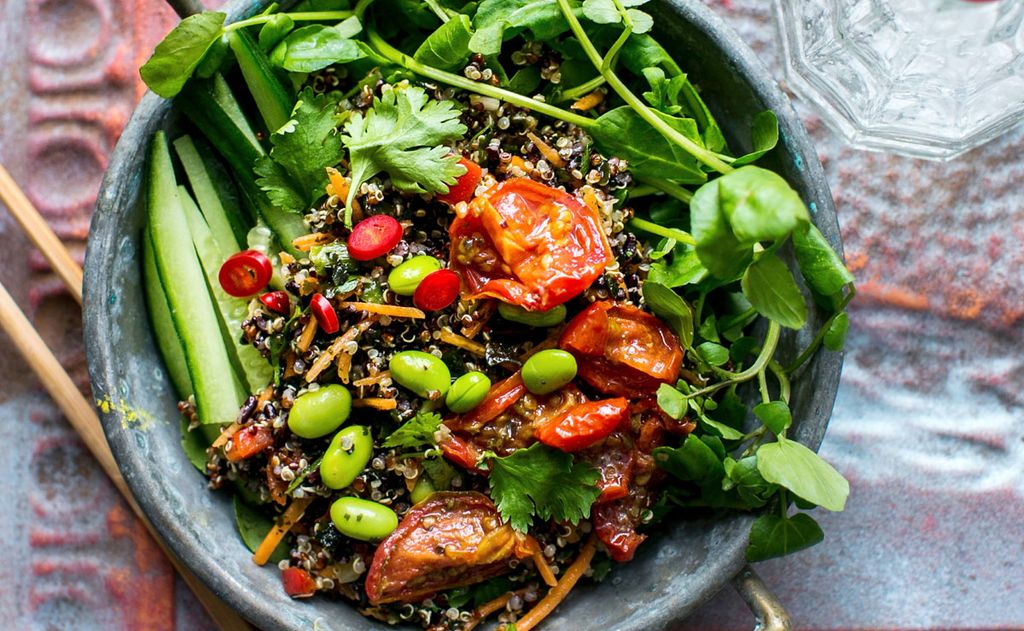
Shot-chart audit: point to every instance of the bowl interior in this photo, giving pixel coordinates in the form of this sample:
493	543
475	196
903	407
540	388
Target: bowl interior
682	566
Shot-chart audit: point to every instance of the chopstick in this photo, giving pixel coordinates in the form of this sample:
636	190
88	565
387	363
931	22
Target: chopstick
80	412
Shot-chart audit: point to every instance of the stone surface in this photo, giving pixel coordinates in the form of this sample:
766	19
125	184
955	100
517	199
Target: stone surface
928	426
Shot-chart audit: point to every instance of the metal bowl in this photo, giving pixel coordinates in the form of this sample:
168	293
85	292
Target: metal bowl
680	567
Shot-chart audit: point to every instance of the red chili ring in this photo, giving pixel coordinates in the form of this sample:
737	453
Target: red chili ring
245	273
324	314
277	301
374	236
437	290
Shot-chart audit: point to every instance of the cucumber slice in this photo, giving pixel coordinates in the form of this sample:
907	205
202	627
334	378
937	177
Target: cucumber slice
273	99
253	367
218	396
215	198
160	319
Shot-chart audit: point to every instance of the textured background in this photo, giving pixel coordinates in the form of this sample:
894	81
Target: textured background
929	425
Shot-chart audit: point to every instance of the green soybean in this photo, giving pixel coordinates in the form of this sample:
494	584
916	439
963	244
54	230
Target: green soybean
423	489
362	519
405	278
467	392
423	373
346	457
548	371
320	412
515	313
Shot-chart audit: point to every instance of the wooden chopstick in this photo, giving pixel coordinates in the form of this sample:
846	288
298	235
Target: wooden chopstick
79	412
39	232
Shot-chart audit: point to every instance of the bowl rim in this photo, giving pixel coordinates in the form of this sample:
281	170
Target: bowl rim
101	358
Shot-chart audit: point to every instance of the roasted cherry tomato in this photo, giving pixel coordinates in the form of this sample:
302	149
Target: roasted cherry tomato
448	540
615	524
622	350
277	301
463	189
374	236
613	458
584	425
297	582
245	273
528	244
324	313
248	441
437	290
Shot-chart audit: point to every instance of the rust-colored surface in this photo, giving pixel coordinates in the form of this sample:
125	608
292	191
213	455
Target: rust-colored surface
928	426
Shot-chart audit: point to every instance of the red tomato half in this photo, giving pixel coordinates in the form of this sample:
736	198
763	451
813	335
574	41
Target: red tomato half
374	236
297	582
622	350
528	244
245	273
463	189
584	425
247	442
448	540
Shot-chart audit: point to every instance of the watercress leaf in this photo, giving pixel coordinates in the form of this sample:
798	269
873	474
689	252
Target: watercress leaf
709	328
835	336
760	205
643	51
349	28
774	536
805	473
723	430
749	483
714	354
664	93
178	54
525	80
601	11
771	289
693	461
731	410
621	132
642	22
313	48
715	443
447	48
718	249
775	415
670	307
684	268
275	30
498	20
741	347
821	267
764	137
253	527
670	400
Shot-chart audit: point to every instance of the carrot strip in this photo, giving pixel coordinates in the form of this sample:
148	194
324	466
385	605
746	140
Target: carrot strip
307	336
374	380
394	311
450	337
546	150
344	367
590	101
225	435
307	242
377	404
285	258
291	515
541	564
488	608
332	351
558	593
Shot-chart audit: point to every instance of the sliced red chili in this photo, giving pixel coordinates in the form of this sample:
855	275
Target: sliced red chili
374	236
245	273
277	301
463	189
584	425
324	313
297	582
437	290
249	441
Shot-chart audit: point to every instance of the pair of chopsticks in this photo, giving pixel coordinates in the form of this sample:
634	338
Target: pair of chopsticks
80	412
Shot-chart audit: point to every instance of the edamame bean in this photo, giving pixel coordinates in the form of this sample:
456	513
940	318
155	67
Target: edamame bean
320	412
362	519
467	392
515	313
423	373
405	278
346	457
548	371
423	489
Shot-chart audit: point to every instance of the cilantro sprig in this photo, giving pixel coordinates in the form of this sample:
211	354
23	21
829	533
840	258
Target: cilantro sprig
415	433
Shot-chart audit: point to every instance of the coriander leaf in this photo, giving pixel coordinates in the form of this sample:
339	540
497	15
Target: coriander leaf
253	527
805	473
498	20
764	136
714	354
774	536
415	433
313	48
544	482
694	461
748	482
684	268
671	401
293	172
821	267
439	472
447	48
402	135
775	415
178	54
670	307
769	286
621	132
835	336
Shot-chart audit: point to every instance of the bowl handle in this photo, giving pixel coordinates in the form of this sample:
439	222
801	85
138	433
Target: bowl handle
185	8
767	610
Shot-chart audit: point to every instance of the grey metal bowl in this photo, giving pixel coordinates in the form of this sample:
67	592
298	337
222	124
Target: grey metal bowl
673	573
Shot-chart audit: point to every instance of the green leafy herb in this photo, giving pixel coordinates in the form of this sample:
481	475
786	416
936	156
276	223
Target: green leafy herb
498	20
664	94
274	31
805	473
440	472
714	354
447	48
694	461
623	133
769	286
670	307
180	52
751	486
683	267
774	536
605	12
544	482
835	336
415	433
316	47
775	415
253	527
820	265
671	401
293	174
402	135
333	263
194	446
764	136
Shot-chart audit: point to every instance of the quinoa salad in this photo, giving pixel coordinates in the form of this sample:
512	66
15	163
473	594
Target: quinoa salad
465	302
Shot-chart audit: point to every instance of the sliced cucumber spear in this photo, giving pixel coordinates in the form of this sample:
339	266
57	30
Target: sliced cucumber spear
218	395
160	318
216	197
273	99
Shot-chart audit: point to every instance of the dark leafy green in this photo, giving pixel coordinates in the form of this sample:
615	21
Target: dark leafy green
774	536
253	526
769	286
180	52
447	48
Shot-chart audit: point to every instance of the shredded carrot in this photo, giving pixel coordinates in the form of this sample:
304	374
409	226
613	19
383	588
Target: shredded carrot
374	380
558	593
340	186
344	367
394	311
336	347
589	101
590	199
307	336
291	515
307	242
518	163
377	404
550	153
285	258
484	313
488	608
225	435
541	564
450	337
